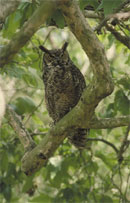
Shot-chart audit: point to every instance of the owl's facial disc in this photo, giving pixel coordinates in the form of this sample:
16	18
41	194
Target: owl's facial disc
55	55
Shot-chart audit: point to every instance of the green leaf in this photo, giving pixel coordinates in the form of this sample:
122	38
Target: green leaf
7	192
128	60
10	27
11	169
106	199
17	18
109	6
24	11
125	82
24	105
84	3
121	102
93	167
15	71
3	161
111	110
108	161
59	19
28	184
42	198
31	77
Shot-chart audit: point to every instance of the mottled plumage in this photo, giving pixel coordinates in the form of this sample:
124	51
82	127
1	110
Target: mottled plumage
64	84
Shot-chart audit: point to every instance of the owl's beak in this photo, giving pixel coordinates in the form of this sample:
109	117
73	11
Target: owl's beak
44	50
64	47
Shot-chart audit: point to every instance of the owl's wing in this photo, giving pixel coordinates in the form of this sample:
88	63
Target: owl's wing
78	78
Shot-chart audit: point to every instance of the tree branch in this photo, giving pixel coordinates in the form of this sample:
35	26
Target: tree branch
125	144
6	8
91	14
35	158
121	16
29	28
38	157
123	39
118	9
23	135
118	16
109	122
105	141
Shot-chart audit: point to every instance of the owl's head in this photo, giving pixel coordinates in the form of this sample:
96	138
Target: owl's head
55	55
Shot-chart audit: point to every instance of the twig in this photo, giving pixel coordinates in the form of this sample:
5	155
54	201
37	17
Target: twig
16	123
105	141
33	111
122	5
38	133
121	16
123	39
48	35
118	16
128	178
91	14
124	145
117	187
115	15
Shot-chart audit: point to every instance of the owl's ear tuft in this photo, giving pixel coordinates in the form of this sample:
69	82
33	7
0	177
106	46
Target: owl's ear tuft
44	49
64	47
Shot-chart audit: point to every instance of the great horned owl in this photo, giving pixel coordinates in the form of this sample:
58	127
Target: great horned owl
64	84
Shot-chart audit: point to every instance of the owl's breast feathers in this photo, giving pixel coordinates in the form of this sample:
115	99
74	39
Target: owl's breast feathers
64	85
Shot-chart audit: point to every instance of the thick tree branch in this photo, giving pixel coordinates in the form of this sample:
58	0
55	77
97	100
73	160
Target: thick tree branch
6	8
91	45
29	28
35	158
23	135
38	157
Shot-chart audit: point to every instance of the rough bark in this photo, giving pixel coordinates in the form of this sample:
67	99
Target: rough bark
91	45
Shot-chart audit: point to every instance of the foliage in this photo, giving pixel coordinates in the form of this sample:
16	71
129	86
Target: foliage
70	176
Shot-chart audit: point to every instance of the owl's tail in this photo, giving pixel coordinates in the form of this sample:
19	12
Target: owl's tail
78	138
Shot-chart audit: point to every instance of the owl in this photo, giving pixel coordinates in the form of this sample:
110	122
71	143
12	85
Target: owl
64	84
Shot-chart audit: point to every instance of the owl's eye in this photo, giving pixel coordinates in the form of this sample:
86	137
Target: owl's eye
48	57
